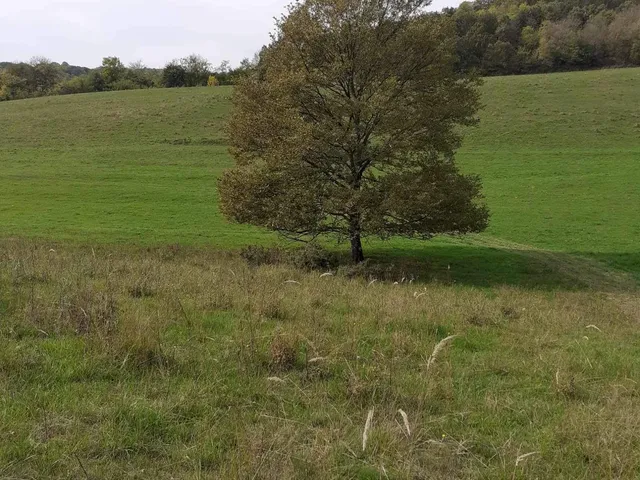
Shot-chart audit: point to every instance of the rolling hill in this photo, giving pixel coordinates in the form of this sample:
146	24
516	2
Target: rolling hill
124	355
559	156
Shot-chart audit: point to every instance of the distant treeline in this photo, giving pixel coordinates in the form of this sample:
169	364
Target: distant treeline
41	77
503	37
494	37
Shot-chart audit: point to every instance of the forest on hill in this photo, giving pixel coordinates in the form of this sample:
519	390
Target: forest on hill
493	37
503	37
41	77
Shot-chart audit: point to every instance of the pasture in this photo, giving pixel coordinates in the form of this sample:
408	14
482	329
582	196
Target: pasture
174	363
558	155
137	343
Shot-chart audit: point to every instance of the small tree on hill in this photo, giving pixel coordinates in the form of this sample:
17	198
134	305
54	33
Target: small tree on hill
12	86
349	124
45	74
113	69
174	75
139	74
197	70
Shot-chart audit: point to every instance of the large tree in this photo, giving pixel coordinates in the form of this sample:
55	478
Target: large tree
349	124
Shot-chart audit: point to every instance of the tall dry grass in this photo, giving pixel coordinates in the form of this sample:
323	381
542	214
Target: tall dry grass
218	369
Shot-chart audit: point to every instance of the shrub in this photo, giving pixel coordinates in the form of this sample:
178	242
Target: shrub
97	81
81	84
256	255
310	257
635	52
313	257
368	270
174	75
282	353
124	84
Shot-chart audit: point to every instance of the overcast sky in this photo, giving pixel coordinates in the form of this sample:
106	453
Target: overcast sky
81	32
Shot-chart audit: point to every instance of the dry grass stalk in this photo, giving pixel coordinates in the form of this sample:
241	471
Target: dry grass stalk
230	318
367	427
405	420
525	456
441	344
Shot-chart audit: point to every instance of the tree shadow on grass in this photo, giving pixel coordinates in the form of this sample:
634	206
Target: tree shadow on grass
625	262
486	266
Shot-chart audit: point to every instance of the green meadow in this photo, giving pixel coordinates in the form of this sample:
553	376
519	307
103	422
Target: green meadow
559	156
138	340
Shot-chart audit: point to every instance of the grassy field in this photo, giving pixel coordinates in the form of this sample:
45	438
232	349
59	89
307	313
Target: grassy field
135	342
559	156
177	363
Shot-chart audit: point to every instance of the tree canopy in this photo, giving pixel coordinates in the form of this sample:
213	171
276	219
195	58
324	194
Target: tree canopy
348	127
502	37
493	37
40	76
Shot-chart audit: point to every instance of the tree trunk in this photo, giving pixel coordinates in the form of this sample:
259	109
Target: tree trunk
357	254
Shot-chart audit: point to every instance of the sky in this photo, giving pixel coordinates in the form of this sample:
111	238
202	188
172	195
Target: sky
81	32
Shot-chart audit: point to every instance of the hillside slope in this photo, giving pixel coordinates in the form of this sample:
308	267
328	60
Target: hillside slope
560	159
559	155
